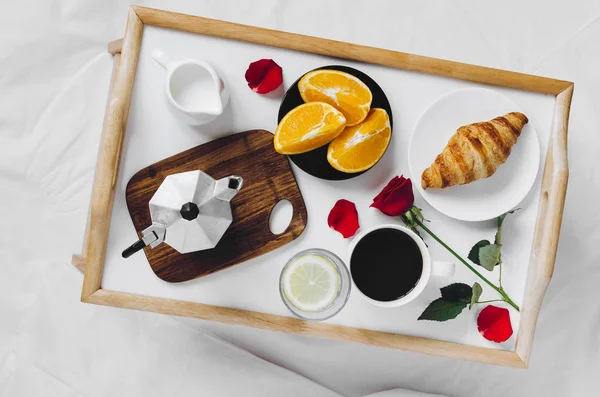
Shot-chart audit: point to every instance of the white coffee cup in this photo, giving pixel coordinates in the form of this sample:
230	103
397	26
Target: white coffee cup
435	268
195	91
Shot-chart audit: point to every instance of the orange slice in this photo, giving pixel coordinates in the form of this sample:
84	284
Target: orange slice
359	147
345	92
308	127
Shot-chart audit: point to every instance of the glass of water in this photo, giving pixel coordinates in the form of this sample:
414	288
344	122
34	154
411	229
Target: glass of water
315	284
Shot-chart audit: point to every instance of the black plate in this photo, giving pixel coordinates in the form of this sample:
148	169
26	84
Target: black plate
315	162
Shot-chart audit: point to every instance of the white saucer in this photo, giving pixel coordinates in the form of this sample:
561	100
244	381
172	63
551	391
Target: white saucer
485	198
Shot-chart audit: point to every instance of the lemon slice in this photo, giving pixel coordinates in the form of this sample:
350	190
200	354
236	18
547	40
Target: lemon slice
311	282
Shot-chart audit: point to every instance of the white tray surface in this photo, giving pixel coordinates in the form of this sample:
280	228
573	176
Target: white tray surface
153	134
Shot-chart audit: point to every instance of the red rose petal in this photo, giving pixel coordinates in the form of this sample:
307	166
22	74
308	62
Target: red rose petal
387	188
396	198
343	218
264	76
493	324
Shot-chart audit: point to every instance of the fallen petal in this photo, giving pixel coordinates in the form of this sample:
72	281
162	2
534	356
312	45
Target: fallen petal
343	218
264	76
494	324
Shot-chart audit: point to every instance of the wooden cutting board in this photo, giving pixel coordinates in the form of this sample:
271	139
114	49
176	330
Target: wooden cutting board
268	179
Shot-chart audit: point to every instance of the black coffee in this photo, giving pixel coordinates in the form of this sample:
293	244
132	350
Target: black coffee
386	264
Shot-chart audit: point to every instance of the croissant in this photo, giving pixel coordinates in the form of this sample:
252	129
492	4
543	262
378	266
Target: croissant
475	151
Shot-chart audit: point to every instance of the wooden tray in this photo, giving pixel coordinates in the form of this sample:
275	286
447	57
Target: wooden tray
268	179
550	207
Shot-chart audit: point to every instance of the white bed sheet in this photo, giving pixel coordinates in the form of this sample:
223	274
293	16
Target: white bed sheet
53	82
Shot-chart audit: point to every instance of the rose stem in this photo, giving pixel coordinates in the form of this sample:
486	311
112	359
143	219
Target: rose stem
492	300
500	279
498	242
499	290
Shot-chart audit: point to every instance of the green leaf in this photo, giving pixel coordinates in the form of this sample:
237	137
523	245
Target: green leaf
457	292
498	237
474	253
442	310
489	256
477	290
501	217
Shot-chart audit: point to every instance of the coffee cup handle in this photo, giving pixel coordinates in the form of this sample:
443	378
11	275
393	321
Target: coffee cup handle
442	269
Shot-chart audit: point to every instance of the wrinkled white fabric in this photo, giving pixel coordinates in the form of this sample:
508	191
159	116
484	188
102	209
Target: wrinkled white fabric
54	75
402	393
103	352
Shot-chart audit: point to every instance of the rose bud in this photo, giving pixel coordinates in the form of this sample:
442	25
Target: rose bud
396	198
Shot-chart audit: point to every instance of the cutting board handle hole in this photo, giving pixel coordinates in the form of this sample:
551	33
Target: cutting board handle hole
281	216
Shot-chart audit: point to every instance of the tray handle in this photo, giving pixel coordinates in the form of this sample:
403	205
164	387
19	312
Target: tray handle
554	188
114	48
547	229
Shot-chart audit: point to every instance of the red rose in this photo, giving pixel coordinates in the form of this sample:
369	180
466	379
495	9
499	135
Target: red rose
493	324
343	218
396	198
264	76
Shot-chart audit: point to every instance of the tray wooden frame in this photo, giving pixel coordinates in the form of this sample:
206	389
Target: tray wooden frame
548	222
